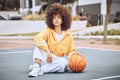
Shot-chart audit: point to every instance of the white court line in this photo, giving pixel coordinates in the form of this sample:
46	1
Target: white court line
96	49
29	51
14	52
107	77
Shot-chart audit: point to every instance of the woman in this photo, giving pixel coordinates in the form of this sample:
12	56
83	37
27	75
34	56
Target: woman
55	44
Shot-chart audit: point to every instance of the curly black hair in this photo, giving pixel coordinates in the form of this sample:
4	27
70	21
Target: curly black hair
55	9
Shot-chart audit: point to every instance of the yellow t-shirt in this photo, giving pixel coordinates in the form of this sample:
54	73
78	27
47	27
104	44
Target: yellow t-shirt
60	48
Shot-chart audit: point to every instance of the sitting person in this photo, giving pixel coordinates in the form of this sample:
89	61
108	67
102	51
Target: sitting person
54	45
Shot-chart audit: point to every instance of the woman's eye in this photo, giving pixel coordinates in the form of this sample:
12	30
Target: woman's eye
58	17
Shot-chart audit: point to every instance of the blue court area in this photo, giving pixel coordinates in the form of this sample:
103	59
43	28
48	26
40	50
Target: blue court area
101	65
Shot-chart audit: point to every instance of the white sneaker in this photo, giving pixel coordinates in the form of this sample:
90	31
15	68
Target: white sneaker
30	68
40	72
67	69
35	70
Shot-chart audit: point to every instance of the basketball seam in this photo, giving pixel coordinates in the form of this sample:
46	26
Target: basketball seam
75	63
81	61
72	63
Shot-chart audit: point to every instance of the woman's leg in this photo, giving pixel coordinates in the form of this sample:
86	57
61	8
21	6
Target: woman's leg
38	59
39	56
58	65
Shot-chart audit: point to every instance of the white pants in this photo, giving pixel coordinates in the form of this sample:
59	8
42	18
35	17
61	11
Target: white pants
58	63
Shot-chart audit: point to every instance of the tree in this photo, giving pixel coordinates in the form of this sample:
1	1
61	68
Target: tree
2	4
60	1
109	2
9	4
52	1
69	1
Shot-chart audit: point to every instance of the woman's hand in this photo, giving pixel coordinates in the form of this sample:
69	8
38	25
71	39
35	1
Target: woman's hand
49	54
75	53
49	58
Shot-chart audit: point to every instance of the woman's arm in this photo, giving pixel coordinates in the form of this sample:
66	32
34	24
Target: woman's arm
40	40
72	49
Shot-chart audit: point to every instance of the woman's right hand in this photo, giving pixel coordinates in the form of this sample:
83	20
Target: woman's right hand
49	58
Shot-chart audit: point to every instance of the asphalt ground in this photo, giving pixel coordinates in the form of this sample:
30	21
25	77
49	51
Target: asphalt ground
101	65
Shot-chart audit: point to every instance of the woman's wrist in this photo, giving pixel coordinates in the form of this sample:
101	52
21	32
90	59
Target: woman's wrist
48	51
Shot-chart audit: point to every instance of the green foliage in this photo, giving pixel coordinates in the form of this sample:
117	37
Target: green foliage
96	33
110	32
77	34
9	4
114	32
12	4
34	17
26	34
68	1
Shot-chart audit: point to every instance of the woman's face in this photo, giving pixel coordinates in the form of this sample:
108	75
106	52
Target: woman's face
57	20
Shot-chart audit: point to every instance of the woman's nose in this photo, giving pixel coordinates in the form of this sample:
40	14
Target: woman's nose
56	19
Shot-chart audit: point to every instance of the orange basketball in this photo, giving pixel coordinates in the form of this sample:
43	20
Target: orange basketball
77	63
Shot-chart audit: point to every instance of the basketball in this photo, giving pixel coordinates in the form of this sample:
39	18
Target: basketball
77	63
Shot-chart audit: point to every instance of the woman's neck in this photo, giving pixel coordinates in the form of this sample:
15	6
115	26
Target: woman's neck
58	30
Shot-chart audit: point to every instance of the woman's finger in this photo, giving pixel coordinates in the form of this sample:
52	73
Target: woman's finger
49	59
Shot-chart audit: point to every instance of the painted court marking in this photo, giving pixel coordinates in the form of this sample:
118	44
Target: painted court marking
29	51
15	52
105	78
96	49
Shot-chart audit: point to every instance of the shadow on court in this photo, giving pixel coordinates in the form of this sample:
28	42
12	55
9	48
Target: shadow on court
101	65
